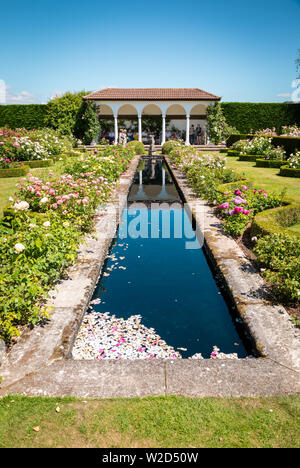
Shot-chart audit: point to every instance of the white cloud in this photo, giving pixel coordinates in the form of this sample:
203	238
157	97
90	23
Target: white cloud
24	97
285	95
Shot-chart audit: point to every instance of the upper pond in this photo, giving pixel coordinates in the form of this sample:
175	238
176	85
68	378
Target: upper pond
157	269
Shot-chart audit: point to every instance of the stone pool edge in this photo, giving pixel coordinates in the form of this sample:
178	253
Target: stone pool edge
35	368
270	325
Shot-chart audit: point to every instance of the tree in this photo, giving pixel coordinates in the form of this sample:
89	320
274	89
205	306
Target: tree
62	112
217	128
87	126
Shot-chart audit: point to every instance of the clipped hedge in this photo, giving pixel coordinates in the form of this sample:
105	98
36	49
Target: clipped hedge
290	144
276	220
286	171
233	153
248	157
15	172
9	213
269	163
247	116
40	163
232	186
27	116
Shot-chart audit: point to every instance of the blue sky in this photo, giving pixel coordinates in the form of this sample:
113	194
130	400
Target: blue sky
241	50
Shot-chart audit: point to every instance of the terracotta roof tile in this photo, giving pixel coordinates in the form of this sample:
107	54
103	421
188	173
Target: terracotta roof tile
152	94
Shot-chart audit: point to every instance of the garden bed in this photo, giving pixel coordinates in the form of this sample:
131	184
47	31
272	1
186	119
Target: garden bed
14	172
269	163
249	157
286	171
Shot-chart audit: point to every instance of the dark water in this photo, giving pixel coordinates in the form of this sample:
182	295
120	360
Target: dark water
172	287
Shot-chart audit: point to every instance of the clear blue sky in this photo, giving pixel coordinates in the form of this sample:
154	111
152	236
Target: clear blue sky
241	50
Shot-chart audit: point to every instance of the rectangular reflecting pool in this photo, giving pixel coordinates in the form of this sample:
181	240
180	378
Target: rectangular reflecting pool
157	296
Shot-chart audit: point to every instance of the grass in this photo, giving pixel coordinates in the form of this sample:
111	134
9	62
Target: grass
266	178
8	185
150	422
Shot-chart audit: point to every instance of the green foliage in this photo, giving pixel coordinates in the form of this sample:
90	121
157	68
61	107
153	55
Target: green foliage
42	229
87	126
217	127
248	157
15	172
246	116
168	146
276	220
269	163
287	171
137	146
62	112
27	116
280	254
289	144
41	163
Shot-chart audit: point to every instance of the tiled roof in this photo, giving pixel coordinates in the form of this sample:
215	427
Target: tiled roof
151	94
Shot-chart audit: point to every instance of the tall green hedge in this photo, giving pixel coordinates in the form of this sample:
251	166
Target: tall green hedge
245	116
27	116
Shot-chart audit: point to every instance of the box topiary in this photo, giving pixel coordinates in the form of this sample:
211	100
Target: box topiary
138	146
269	163
287	171
14	172
233	153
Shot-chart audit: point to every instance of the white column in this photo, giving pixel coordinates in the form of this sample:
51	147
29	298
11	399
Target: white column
116	130
140	127
187	139
163	136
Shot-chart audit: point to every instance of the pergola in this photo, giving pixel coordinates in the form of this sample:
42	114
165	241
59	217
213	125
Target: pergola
173	103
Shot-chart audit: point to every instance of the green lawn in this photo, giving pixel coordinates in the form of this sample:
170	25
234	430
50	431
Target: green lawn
150	422
8	185
266	178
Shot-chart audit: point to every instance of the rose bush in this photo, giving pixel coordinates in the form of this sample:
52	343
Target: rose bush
41	233
24	145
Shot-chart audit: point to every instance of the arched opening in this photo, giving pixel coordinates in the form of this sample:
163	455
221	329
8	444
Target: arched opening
106	119
176	126
128	119
151	123
198	120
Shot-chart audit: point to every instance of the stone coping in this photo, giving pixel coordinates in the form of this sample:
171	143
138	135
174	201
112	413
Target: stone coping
38	363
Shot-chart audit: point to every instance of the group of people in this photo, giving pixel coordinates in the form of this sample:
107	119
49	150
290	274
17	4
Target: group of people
196	135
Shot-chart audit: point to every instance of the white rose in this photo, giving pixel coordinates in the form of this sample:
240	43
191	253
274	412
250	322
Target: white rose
46	223
43	200
19	248
21	206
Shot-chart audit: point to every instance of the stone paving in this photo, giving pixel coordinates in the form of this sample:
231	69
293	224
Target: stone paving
38	363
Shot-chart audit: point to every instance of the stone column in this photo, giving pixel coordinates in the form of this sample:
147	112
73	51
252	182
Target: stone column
116	130
163	136
140	127
187	139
